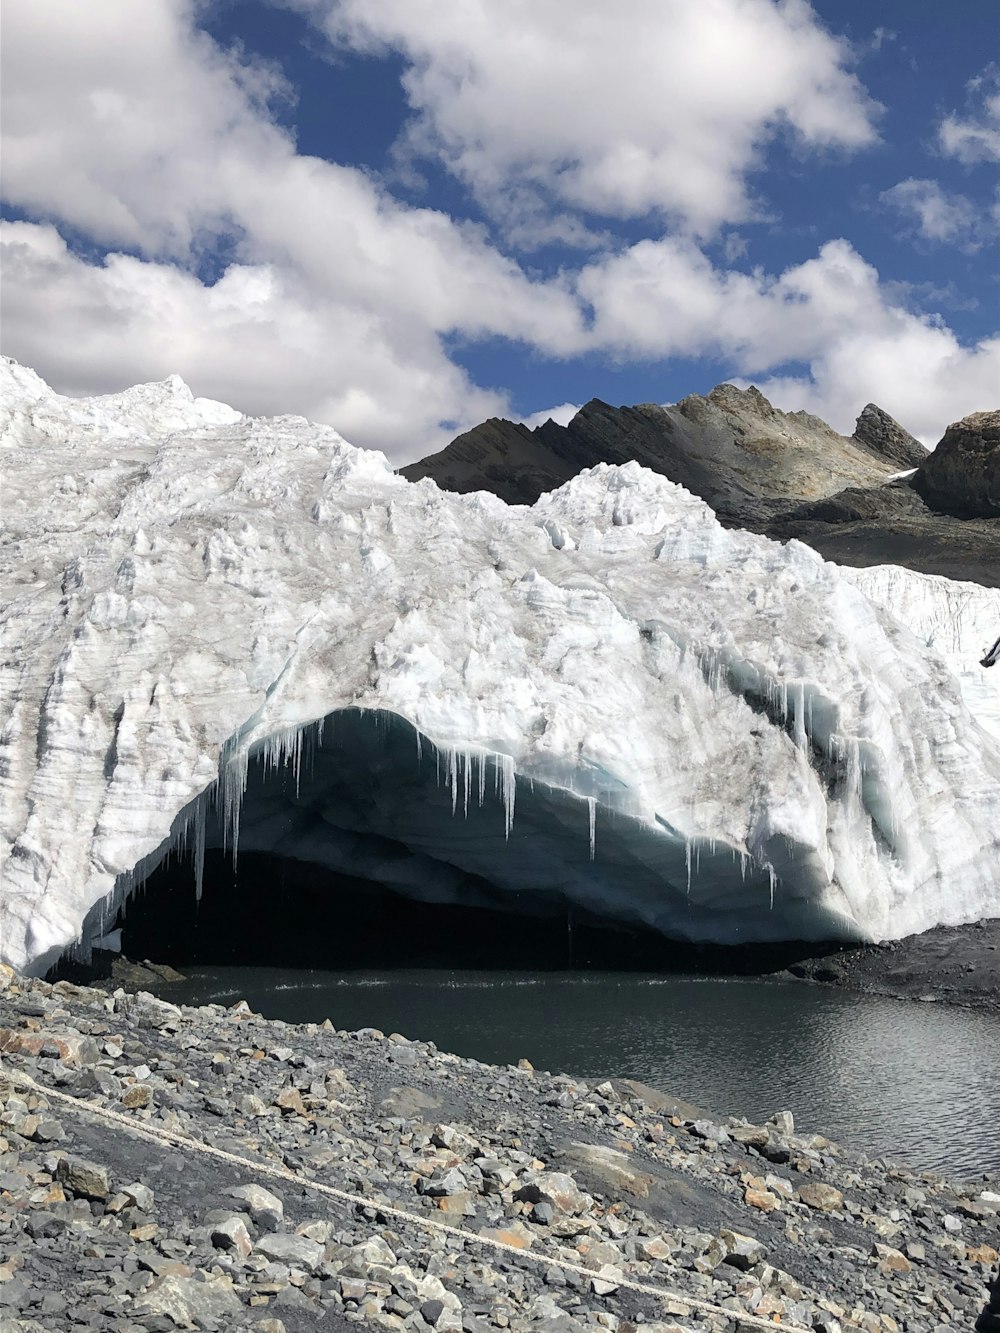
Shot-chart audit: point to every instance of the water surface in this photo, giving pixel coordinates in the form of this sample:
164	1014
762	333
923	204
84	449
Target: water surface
891	1078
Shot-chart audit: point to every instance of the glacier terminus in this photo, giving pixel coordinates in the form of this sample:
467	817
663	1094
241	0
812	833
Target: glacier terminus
224	630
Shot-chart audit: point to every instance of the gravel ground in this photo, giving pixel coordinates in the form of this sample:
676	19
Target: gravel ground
382	1182
950	964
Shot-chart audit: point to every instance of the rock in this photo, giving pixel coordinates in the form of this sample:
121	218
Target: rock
962	475
742	1251
752	1136
516	1234
49	1131
297	1251
655	1248
230	1233
554	1187
431	1311
408	1103
72	1048
891	1260
611	1168
145	1010
249	1104
198	1301
136	1095
607	1279
462	1203
663	1103
784	1123
886	438
763	1199
824	1198
290	1099
265	1208
445	1182
86	1179
140	1195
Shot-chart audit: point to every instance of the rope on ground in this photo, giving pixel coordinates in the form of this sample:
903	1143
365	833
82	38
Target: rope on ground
160	1134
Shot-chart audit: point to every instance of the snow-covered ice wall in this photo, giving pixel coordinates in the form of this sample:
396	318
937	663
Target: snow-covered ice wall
605	697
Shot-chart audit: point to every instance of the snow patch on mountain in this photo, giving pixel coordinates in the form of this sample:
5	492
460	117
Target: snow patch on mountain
605	698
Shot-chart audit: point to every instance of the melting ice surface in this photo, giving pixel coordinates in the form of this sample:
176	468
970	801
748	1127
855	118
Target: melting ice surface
221	628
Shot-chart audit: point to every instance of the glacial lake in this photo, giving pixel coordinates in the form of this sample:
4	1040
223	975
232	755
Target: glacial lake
906	1080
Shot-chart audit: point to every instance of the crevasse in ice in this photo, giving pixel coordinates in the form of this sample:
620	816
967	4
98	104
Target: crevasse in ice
226	630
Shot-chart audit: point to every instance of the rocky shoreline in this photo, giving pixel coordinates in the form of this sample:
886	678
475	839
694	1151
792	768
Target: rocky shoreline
958	965
167	1167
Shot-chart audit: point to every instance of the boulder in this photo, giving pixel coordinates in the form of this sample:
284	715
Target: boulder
962	475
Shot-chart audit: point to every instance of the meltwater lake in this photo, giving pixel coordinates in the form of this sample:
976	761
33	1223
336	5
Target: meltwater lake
900	1079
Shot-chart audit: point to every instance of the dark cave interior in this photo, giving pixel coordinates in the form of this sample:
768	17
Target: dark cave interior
270	911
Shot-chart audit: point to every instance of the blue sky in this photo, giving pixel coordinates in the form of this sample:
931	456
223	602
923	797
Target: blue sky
401	216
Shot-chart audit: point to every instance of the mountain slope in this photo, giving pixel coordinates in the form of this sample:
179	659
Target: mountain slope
784	474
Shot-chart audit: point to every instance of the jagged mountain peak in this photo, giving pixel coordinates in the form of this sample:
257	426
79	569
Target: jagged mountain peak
885	437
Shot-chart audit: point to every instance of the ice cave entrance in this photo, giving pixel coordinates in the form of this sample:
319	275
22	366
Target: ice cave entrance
355	843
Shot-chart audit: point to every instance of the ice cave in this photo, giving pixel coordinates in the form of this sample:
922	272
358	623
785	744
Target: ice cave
356	842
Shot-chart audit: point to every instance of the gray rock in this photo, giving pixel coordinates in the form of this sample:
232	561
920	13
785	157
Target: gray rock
742	1252
962	475
266	1209
86	1179
198	1301
230	1233
876	430
296	1251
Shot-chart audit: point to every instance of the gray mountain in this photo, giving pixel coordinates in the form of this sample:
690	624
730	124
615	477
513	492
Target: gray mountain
785	474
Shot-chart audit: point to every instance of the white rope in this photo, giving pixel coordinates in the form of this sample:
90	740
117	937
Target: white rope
160	1134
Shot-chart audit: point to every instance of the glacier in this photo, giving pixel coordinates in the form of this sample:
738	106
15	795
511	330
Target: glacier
229	631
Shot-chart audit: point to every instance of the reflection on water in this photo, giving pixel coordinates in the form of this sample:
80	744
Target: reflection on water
887	1077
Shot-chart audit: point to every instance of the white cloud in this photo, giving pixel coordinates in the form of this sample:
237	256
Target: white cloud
646	105
561	415
975	138
133	127
662	298
937	215
127	125
258	338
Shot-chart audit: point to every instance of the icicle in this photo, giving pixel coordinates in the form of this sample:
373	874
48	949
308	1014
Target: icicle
199	849
687	862
453	778
505	785
233	781
592	815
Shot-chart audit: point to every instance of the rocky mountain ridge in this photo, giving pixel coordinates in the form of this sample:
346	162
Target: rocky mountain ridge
783	474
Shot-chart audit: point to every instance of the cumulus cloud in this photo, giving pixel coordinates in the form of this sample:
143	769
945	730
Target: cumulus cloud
976	137
661	298
934	214
258	338
645	106
561	415
131	136
144	135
